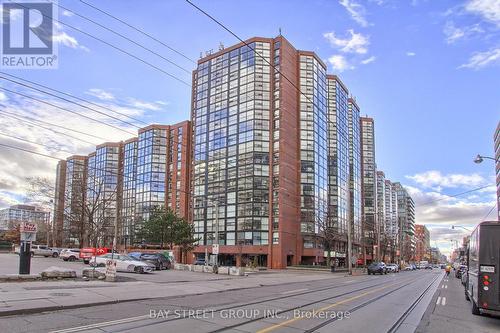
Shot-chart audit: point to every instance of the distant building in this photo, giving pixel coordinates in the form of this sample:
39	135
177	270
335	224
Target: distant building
406	222
422	242
11	217
369	185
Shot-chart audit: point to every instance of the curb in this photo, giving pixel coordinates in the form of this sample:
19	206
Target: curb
76	306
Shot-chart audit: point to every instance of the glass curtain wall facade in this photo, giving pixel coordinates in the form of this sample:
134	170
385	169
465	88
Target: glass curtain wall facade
151	170
231	107
355	171
106	171
369	187
313	146
74	194
129	191
338	162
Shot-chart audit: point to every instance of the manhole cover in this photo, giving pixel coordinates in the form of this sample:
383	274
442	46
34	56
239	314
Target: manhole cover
60	294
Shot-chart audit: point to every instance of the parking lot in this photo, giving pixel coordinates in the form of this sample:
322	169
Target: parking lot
9	264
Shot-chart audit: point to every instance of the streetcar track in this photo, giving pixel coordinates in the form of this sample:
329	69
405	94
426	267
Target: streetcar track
301	306
405	315
263	301
370	301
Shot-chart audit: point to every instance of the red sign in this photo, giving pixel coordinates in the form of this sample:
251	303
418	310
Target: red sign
28	227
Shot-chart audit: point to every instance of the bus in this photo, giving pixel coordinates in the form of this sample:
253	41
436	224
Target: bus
483	261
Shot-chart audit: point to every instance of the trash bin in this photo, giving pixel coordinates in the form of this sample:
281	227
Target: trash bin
332	268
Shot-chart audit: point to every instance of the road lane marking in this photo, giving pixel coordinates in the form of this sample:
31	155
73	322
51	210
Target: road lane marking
294	291
443	301
438	300
103	324
273	327
442	287
446	287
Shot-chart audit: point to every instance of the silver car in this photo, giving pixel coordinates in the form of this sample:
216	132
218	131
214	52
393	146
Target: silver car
124	263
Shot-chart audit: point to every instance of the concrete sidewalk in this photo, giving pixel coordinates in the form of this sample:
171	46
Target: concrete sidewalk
40	296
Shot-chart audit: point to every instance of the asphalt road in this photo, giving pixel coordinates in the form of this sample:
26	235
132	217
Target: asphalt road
349	304
449	311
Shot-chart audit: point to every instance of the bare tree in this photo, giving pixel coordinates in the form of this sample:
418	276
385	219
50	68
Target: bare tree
40	191
90	212
328	235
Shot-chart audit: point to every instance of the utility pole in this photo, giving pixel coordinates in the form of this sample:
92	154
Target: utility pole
216	205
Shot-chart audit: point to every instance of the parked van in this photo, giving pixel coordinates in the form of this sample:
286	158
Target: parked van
483	278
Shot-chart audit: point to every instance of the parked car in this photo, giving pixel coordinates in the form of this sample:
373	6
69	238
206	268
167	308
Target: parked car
55	251
41	250
393	268
70	254
377	267
459	271
200	262
159	260
124	263
428	267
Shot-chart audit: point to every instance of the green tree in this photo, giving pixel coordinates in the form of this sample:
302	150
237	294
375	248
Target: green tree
160	227
184	237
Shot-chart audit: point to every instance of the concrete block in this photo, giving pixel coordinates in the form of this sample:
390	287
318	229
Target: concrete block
96	274
58	272
208	269
224	270
198	268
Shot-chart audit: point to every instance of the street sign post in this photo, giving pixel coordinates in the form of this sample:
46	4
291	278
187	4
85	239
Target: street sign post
215	249
111	270
28	234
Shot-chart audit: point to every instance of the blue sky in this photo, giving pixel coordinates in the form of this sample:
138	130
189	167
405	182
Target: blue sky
427	71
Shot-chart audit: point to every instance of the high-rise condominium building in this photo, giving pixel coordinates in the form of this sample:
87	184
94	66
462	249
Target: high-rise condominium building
121	183
369	186
262	136
355	173
338	163
391	211
406	222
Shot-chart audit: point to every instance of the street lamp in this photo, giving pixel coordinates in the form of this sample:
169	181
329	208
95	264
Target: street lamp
479	159
459	226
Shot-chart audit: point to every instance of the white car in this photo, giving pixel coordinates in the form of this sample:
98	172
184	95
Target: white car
70	254
124	263
42	250
393	268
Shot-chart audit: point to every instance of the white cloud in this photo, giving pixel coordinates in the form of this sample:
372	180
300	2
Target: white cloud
488	9
3	97
482	59
356	10
454	33
411	54
16	165
101	94
339	63
356	43
368	60
434	179
67	13
143	105
63	38
440	211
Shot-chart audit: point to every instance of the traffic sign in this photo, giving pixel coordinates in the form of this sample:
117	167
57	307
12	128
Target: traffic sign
215	248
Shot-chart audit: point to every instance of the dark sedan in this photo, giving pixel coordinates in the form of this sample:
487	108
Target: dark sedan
377	267
159	260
